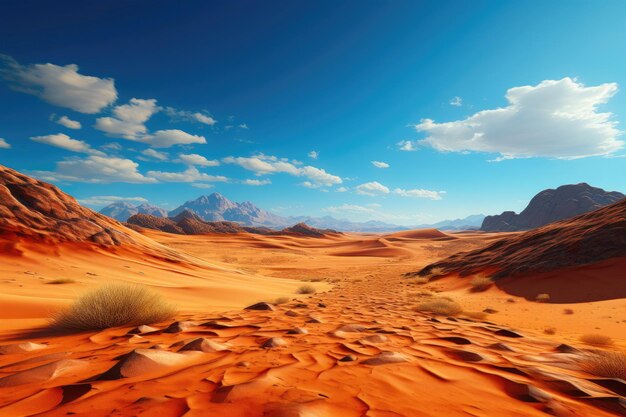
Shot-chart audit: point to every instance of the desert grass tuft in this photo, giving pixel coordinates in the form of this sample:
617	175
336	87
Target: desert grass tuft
607	364
440	306
481	283
114	305
306	289
550	330
61	281
281	300
568	311
596	339
542	298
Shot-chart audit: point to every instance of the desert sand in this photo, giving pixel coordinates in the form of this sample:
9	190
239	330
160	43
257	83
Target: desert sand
355	348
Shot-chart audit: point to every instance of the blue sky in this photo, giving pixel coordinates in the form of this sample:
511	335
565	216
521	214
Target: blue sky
474	106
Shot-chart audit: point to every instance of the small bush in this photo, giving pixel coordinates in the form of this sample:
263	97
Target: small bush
440	306
605	364
481	283
549	330
61	281
543	298
510	300
568	311
596	339
281	300
306	289
114	305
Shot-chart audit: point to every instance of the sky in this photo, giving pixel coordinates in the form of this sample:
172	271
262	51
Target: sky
407	112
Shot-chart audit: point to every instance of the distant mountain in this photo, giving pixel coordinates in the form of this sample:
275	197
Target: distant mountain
328	222
552	205
217	208
471	222
122	210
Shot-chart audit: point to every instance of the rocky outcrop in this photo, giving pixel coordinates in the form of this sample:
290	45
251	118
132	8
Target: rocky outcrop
552	205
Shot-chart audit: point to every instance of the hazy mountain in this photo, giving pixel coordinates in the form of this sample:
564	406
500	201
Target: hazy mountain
471	222
122	210
552	205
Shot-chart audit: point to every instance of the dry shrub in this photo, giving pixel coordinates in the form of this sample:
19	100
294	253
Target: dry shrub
440	306
510	300
306	289
281	300
543	298
481	283
606	364
114	305
61	281
549	330
596	339
568	311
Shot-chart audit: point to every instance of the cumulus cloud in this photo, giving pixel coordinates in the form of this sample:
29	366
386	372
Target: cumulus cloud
59	85
171	137
61	140
129	119
407	145
199	160
264	164
190	116
419	193
191	174
105	200
456	101
243	126
372	189
69	123
4	144
256	182
95	169
154	154
313	154
341	190
379	164
554	119
349	208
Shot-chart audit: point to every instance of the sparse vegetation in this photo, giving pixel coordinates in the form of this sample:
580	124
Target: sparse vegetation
114	305
606	364
481	283
61	281
510	300
596	339
440	306
550	330
281	300
543	298
306	289
568	311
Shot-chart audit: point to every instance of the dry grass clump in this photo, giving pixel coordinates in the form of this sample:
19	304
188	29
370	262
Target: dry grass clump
481	283
61	281
114	305
281	300
568	311
543	298
440	306
596	339
606	364
306	289
550	330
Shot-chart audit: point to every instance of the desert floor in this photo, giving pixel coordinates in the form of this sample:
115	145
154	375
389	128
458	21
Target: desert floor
355	348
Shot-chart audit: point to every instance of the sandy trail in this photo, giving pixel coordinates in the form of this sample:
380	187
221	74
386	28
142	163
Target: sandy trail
356	348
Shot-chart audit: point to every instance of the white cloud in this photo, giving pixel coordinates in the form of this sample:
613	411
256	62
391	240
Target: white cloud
69	123
348	208
456	101
372	189
419	193
191	174
129	119
195	159
202	185
190	116
113	146
256	182
407	145
105	200
59	85
379	164
309	184
4	144
61	140
313	154
341	189
151	153
243	126
264	164
171	137
95	169
555	119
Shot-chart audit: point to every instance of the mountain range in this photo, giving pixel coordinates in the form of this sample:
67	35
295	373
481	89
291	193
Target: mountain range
122	210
